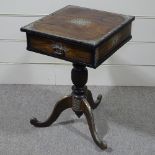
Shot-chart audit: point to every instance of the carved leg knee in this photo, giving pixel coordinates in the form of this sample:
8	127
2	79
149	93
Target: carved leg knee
91	101
62	105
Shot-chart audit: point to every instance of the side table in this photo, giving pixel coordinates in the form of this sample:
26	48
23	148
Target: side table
85	37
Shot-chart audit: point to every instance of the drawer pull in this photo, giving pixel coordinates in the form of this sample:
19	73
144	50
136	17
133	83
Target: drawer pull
59	50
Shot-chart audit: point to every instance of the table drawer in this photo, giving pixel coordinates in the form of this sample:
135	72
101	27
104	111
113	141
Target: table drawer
59	49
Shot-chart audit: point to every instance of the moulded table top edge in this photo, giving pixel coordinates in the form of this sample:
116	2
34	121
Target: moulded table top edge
90	43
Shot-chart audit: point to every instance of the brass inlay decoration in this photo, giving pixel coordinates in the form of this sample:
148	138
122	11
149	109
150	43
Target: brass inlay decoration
59	49
115	40
80	21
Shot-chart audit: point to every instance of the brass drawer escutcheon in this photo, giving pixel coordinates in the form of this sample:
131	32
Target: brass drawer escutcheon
59	50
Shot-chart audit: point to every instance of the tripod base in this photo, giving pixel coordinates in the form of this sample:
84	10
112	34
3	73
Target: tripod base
81	102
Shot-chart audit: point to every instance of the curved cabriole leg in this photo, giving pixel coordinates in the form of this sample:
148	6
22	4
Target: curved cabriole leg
91	101
85	107
62	105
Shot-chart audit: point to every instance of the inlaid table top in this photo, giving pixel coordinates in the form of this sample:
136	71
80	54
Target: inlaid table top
79	34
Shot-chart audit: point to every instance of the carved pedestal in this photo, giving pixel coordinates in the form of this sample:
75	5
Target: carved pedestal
81	102
85	37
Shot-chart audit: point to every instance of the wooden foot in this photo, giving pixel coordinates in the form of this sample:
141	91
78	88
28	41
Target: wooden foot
86	108
93	103
62	105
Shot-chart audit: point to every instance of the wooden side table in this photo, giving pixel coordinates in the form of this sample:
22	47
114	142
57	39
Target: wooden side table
84	37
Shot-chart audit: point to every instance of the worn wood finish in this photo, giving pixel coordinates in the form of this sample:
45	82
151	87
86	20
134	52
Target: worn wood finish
81	102
85	37
47	46
90	25
112	44
61	105
80	34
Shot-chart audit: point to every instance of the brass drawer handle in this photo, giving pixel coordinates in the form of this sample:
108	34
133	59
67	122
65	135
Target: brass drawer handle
59	50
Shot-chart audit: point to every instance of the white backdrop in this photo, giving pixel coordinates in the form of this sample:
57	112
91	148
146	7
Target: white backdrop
133	64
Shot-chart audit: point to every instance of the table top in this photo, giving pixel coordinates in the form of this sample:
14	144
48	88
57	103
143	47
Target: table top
79	25
79	35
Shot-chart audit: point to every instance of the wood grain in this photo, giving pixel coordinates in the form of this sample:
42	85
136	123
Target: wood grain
16	53
110	44
139	33
73	53
73	34
79	24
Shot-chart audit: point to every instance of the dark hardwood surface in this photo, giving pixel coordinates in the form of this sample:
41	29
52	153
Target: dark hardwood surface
79	24
79	35
71	52
85	37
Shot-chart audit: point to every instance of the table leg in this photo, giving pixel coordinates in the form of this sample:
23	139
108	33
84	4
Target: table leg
81	101
61	105
86	108
91	101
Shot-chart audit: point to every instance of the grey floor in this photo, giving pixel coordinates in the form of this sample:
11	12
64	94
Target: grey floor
125	120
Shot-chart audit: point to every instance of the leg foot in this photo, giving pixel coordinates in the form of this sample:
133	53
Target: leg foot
91	101
62	105
85	107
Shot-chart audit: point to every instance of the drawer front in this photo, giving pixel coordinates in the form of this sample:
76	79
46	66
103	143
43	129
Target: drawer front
60	50
112	44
